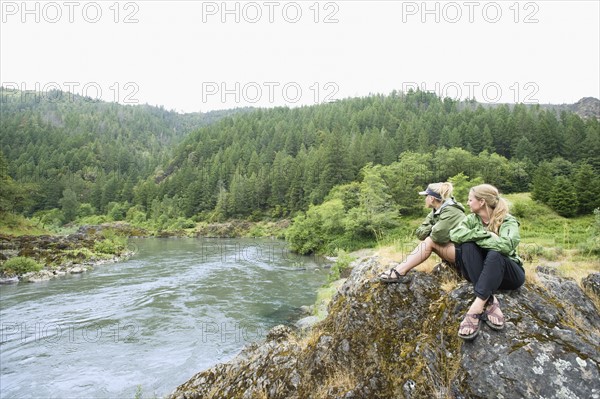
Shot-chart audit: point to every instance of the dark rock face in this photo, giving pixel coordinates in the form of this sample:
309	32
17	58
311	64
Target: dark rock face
399	341
592	284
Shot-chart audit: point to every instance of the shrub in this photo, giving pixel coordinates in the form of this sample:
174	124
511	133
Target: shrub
523	209
20	265
116	211
52	218
136	215
112	243
92	220
182	223
85	210
79	253
342	263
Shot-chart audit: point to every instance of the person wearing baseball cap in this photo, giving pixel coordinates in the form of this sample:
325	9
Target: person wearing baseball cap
434	232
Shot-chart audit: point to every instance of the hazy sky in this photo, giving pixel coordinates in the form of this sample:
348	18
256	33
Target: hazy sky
203	55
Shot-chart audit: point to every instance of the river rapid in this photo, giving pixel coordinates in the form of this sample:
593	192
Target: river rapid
180	305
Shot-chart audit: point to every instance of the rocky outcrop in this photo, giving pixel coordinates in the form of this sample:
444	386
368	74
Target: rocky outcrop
399	341
587	107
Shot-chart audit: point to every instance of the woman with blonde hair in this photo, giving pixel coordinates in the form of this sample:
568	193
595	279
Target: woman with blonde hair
434	232
486	254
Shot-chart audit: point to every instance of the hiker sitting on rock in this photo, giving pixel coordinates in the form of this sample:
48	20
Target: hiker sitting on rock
486	254
434	232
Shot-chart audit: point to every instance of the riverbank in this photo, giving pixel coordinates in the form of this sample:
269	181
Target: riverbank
93	245
60	255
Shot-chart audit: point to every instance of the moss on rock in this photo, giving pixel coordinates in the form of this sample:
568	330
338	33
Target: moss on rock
400	341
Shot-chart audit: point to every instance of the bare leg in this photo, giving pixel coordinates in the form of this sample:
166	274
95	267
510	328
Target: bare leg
445	251
422	252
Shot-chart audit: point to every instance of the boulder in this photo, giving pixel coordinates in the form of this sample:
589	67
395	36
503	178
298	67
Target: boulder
9	280
400	341
592	284
306	322
36	277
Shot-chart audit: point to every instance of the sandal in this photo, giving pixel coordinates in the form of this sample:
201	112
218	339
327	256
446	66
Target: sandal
490	311
467	323
386	277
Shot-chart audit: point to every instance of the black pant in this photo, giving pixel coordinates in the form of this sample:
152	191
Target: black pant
488	270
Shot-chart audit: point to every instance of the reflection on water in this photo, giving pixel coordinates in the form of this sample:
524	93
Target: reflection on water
177	307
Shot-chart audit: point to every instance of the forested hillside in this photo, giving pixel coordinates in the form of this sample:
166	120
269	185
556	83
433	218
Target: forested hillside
86	158
59	145
282	160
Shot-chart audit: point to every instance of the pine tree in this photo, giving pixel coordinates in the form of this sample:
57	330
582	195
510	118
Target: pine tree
110	193
69	205
524	149
543	183
591	154
563	198
6	187
376	211
335	163
587	187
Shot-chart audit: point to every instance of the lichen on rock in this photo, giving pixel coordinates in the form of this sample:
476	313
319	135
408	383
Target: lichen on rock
400	341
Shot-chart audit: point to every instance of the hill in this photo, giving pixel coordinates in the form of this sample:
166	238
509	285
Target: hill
587	107
84	157
59	140
283	160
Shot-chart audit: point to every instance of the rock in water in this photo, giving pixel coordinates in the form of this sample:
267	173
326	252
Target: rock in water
399	341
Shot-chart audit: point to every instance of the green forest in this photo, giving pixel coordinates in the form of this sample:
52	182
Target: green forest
67	158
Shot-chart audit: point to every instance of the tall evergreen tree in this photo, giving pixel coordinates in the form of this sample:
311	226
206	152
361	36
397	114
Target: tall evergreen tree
69	204
563	198
543	183
587	187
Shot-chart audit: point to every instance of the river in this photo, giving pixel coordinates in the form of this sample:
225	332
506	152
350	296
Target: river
180	305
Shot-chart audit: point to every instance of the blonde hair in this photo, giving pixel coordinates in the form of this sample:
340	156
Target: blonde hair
443	189
497	207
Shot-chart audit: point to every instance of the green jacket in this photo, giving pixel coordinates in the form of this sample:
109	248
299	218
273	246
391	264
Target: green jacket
438	223
507	241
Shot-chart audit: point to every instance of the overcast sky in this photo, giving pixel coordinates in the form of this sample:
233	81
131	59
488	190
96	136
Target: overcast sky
201	55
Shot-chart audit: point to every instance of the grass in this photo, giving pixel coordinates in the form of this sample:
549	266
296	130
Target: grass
551	239
17	225
20	265
338	381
